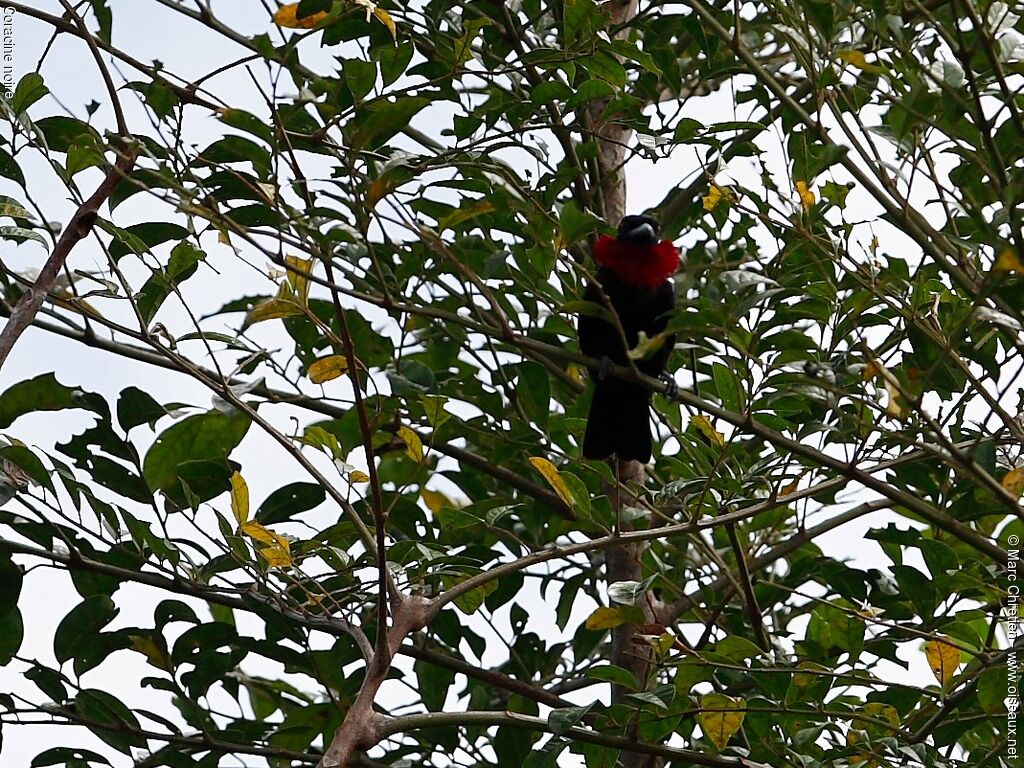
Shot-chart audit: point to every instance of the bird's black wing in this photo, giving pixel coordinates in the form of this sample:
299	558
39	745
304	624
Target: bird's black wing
661	306
598	337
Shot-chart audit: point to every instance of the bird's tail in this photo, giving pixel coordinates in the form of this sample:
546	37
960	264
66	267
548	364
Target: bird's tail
618	422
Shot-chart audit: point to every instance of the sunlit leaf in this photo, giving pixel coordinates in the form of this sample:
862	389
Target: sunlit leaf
1008	261
413	444
857	59
551	474
327	368
703	423
239	498
806	196
435	500
720	717
943	658
604	618
1013	482
286	16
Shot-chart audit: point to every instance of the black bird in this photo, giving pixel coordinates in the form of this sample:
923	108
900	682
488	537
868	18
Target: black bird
634	275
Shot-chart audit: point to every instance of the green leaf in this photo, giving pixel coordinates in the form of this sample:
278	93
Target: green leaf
290	500
61	132
183	263
470	602
49	681
605	67
360	76
140	180
135	407
738	648
728	387
534	392
394	59
238	149
69	757
79	631
464	45
11	577
611	673
247	122
107	710
10	169
12	633
195	450
377	122
25	460
576	224
23	234
45	393
142	238
434	682
29	90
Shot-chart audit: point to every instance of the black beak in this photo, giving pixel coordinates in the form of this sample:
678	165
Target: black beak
642	234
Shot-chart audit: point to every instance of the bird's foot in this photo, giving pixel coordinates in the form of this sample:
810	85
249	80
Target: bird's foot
605	369
671	388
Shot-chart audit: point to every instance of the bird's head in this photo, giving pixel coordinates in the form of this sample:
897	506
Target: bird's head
637	255
639	230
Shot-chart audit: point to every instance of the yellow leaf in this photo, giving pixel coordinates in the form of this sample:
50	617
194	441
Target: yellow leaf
271	309
806	196
575	373
1013	482
299	270
714	196
239	498
460	215
646	347
320	438
870	371
416	323
276	557
703	423
387	21
550	473
604	618
327	368
664	643
377	190
858	60
813	674
943	658
793	486
286	17
435	500
895	407
357	476
262	534
413	444
720	717
148	647
1008	261
433	405
886	713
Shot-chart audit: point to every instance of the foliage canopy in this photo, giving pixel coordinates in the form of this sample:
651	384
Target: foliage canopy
373	268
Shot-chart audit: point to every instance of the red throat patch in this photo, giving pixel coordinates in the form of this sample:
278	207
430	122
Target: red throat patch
643	265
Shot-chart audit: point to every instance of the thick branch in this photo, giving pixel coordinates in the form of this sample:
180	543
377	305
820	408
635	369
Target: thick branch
78	228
